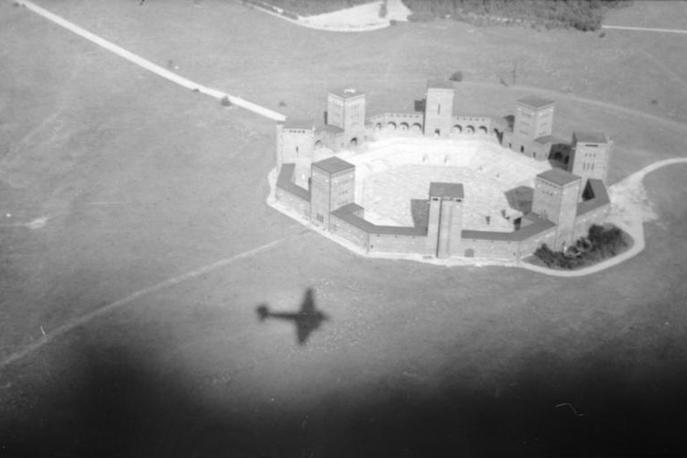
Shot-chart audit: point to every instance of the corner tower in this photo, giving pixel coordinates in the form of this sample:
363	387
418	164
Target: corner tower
590	156
346	110
295	140
332	185
533	118
556	195
439	108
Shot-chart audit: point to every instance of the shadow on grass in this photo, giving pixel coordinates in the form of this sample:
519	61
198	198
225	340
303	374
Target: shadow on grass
111	402
306	320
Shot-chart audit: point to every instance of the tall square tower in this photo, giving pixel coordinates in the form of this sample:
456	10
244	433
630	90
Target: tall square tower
533	118
346	110
590	156
556	194
332	185
439	108
445	224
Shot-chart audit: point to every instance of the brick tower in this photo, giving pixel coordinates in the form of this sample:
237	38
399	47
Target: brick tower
556	194
332	185
439	108
346	110
590	156
533	118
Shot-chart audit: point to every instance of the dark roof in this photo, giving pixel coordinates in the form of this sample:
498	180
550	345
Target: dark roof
536	225
350	208
534	101
330	129
285	182
346	93
346	213
298	124
558	176
600	198
439	84
333	165
590	137
447	190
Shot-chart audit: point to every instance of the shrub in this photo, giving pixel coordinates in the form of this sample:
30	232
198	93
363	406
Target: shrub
601	243
226	102
457	76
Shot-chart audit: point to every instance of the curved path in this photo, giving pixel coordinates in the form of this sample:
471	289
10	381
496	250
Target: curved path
148	65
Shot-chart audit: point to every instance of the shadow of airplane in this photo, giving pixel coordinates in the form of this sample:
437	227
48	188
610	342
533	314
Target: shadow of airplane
307	319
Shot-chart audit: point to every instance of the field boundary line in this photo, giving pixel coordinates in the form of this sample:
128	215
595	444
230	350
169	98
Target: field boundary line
74	323
150	66
643	29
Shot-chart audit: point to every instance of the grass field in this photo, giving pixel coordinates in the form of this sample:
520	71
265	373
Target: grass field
143	181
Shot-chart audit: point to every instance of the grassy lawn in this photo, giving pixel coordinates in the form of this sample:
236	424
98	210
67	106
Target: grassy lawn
144	181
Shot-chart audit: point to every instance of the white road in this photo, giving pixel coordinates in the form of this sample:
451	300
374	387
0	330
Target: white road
70	325
643	29
148	65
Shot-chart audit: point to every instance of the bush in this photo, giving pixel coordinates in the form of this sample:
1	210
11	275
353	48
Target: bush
601	243
579	14
457	76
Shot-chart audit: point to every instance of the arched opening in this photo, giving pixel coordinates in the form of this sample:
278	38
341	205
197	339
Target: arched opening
522	149
469	253
457	129
470	129
378	126
437	132
403	126
391	125
483	130
354	142
416	127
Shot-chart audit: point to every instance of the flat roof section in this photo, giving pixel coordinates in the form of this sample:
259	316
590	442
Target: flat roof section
558	176
446	190
536	225
333	165
534	101
298	124
346	213
330	129
439	84
346	93
590	137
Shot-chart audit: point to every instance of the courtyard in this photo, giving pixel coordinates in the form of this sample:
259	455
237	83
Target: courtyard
392	172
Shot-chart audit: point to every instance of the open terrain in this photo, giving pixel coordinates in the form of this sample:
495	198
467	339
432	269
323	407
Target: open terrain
151	201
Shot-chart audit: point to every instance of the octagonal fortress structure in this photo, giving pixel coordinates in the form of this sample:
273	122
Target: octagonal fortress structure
566	200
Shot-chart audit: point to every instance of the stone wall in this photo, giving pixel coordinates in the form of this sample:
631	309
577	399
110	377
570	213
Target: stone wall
294	202
349	232
395	243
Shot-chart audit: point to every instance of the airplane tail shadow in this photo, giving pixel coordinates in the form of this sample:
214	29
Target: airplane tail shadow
263	312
